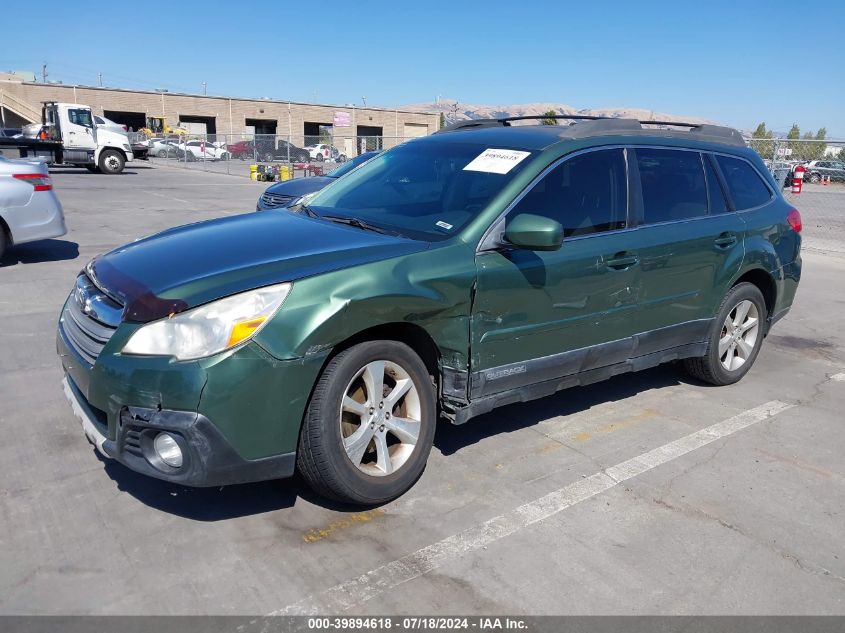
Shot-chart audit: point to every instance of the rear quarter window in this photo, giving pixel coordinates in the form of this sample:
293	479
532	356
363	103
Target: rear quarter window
745	186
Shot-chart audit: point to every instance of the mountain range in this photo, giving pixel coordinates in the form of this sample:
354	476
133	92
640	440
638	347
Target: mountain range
456	111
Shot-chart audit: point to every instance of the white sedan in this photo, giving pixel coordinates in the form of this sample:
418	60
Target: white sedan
323	152
29	207
206	150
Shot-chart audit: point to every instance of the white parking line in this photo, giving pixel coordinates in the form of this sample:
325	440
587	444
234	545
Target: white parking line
381	579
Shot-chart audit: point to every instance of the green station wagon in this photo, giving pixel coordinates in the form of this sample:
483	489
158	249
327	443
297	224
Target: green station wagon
484	265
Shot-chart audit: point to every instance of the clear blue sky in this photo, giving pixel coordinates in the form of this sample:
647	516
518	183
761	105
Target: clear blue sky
738	62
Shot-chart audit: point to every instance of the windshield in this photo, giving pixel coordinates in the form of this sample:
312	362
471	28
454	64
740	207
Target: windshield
423	189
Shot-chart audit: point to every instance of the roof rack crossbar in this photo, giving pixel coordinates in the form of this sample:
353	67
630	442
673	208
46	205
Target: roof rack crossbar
573	117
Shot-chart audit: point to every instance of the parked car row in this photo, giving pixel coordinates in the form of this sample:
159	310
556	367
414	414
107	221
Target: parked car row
817	170
187	150
268	151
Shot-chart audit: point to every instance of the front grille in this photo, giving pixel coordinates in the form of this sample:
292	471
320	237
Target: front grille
89	319
273	200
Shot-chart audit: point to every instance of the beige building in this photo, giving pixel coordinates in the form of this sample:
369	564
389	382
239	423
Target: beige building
20	103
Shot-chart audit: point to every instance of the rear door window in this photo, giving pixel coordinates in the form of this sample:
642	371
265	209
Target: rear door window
673	185
587	194
745	186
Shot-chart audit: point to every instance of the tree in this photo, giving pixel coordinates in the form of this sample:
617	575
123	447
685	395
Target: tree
442	121
549	118
762	132
761	143
794	132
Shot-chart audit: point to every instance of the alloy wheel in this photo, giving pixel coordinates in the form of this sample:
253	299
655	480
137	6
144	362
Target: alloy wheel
739	335
380	418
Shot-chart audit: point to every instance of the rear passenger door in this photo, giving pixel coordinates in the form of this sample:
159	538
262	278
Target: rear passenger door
690	243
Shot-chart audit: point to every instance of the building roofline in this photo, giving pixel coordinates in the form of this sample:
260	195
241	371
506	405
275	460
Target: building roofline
225	98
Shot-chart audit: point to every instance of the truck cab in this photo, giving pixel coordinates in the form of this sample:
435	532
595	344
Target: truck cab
82	143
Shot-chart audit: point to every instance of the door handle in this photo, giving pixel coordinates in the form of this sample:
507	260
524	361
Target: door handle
622	261
725	240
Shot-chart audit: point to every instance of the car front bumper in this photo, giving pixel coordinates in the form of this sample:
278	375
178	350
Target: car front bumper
236	416
207	457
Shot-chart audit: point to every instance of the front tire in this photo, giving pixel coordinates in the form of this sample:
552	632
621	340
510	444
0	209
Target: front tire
370	424
111	162
735	338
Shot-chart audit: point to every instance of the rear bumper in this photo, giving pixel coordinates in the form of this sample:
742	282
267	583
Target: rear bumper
40	219
208	458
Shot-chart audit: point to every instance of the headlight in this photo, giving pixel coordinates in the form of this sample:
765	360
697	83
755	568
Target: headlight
211	328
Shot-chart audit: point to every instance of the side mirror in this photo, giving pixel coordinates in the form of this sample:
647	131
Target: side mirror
534	233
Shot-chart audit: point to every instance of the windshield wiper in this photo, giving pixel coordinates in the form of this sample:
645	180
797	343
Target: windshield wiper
308	211
359	224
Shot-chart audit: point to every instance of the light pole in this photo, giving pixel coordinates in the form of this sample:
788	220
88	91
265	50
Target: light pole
204	88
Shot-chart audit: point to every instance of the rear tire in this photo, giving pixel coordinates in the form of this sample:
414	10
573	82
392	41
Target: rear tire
735	338
111	162
3	240
390	453
815	178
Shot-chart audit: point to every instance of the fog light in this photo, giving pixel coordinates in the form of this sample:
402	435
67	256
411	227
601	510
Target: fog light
168	450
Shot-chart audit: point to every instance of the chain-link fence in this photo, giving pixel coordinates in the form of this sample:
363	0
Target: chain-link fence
821	200
272	157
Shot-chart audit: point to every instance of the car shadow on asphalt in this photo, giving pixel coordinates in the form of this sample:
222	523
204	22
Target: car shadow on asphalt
450	439
76	171
203	504
39	252
231	502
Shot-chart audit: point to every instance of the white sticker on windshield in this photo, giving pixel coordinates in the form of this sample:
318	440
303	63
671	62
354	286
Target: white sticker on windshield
443	225
496	161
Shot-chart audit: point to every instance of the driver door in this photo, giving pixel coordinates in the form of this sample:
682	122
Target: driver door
78	129
541	315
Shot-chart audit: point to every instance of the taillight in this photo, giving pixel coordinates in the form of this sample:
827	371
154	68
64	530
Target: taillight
794	219
40	182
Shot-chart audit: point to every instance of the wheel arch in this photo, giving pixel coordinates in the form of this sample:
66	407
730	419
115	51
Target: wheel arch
765	283
412	335
6	231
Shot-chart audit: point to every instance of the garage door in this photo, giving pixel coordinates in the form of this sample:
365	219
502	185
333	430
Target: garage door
413	130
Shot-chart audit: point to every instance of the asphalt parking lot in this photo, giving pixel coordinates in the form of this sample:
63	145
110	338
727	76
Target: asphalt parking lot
647	494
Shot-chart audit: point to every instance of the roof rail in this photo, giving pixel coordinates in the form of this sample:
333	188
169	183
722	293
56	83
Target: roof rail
604	124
